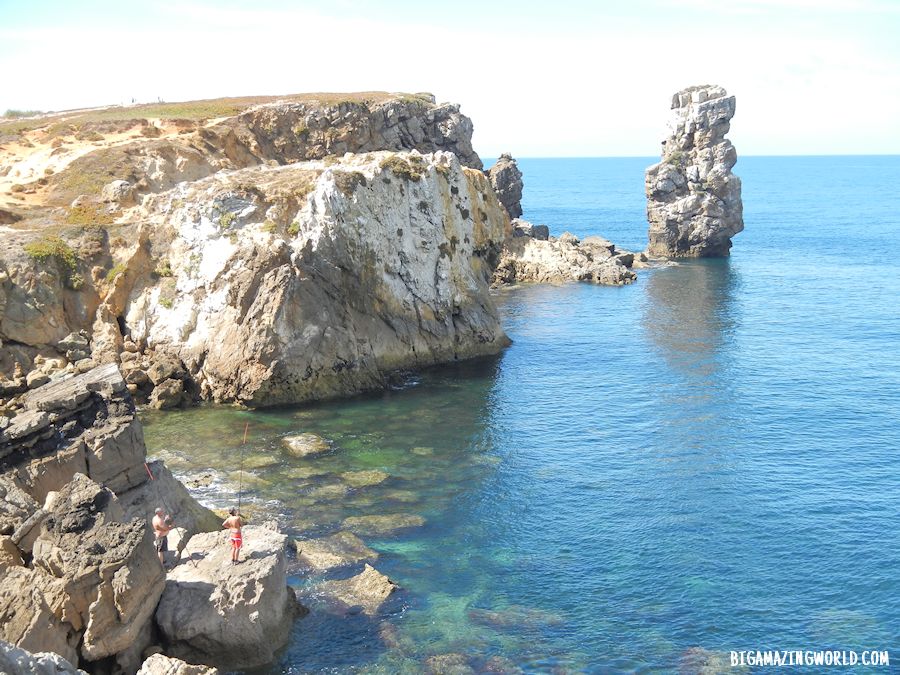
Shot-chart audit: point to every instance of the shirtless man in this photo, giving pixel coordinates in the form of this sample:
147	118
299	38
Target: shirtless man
162	524
234	523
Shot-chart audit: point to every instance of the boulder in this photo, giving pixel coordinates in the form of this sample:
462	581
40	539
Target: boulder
168	394
379	262
305	445
16	661
366	591
336	550
165	367
74	342
159	664
118	191
36	379
694	204
234	616
384	524
540	232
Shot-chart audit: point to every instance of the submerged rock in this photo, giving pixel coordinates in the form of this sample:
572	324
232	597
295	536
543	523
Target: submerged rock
378	525
231	616
515	617
448	664
358	479
337	550
700	661
693	199
305	445
367	590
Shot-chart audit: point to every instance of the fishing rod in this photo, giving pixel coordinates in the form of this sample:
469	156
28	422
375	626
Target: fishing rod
241	473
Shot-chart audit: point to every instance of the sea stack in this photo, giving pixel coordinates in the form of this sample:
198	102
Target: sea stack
693	199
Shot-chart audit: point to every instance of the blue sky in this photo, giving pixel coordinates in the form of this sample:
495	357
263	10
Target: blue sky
557	78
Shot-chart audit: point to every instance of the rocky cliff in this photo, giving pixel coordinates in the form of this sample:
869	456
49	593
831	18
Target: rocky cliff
247	258
693	199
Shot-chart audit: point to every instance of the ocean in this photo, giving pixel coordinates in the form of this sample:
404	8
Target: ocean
650	476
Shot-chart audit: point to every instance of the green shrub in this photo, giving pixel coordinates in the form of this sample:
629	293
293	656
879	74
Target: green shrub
163	269
54	249
89	215
348	182
116	270
226	220
294	229
166	302
269	226
676	158
410	170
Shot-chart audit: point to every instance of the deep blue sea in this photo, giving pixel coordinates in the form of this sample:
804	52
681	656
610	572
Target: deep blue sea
707	458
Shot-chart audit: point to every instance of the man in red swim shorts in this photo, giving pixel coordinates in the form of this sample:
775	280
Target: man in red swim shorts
234	523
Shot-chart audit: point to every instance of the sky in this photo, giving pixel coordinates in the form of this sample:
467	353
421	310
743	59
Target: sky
539	79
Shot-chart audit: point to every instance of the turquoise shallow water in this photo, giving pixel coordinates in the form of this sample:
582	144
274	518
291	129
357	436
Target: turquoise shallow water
704	458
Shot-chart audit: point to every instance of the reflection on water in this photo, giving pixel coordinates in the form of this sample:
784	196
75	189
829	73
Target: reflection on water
689	313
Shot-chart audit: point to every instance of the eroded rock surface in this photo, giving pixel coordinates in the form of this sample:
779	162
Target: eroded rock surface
526	258
693	199
507	181
232	616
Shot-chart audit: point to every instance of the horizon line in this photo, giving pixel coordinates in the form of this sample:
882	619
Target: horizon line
832	154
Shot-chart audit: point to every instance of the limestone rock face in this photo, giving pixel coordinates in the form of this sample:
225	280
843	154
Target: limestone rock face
525	258
507	181
311	281
693	199
269	249
16	661
232	616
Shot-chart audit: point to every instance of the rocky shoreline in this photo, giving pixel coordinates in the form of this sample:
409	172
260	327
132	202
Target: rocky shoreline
292	252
